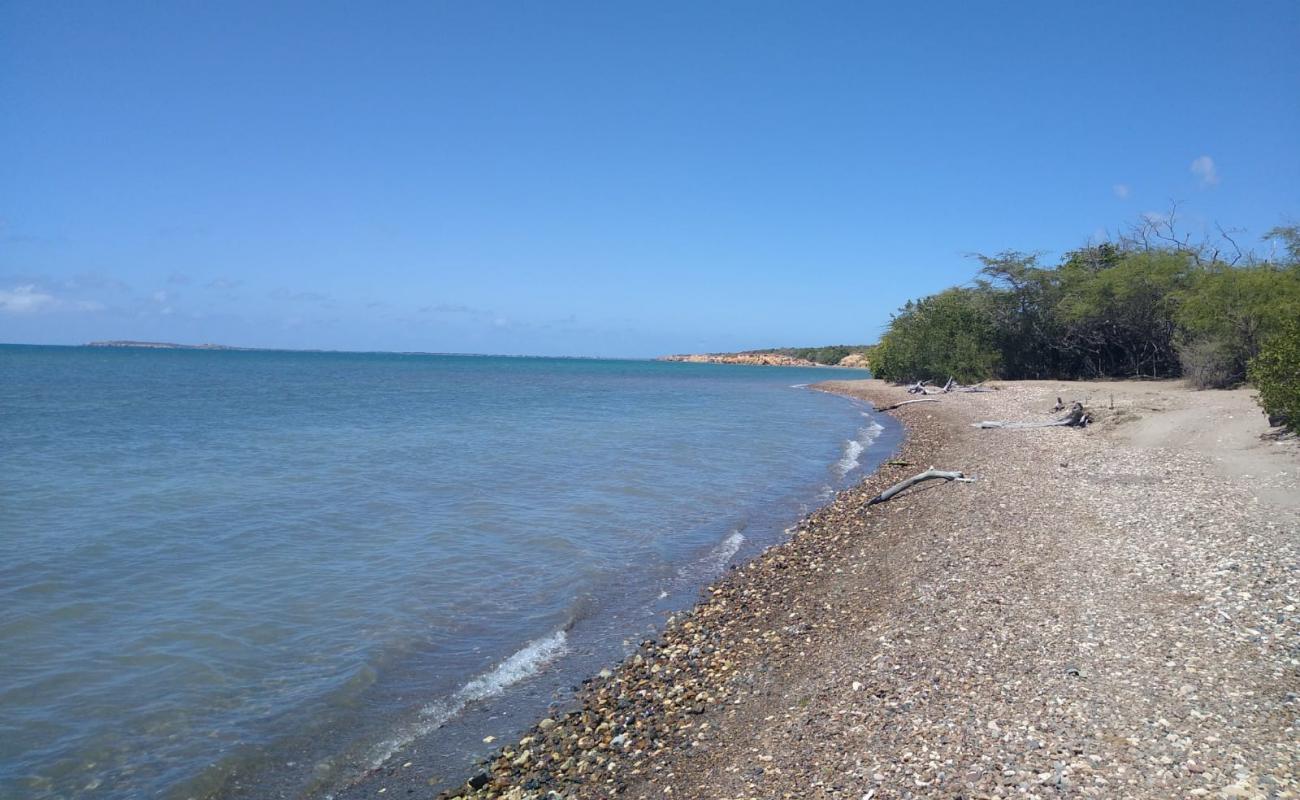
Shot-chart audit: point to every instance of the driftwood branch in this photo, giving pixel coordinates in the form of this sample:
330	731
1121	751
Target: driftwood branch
929	474
924	387
908	403
1076	418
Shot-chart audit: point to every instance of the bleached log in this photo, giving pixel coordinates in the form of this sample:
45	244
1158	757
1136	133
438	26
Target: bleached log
1075	419
929	474
947	387
917	388
908	403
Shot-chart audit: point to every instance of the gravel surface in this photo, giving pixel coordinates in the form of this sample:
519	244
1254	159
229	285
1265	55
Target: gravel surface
1094	616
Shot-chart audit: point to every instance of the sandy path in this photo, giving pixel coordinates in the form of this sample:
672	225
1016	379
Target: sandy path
1104	613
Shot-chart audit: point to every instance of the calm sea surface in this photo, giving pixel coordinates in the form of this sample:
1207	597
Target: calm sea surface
264	574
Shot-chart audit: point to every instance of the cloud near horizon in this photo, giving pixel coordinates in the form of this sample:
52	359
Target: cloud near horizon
1205	169
26	299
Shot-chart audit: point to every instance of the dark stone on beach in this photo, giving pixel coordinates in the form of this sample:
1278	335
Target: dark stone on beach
478	781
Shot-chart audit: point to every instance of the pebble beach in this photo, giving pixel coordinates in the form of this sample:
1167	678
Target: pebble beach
1106	612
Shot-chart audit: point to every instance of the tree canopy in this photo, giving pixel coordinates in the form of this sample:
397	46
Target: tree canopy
1151	305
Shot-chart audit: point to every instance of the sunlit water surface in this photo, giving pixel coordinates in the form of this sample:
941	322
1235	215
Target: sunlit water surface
263	574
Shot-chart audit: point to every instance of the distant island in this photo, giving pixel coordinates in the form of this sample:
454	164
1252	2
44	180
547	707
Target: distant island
839	355
162	345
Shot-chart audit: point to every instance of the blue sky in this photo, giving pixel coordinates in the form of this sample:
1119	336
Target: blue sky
619	179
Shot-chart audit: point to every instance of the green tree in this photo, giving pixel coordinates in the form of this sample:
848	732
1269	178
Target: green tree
1227	313
1275	373
950	334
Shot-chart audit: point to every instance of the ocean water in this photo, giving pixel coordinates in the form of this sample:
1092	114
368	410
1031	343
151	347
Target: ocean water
270	574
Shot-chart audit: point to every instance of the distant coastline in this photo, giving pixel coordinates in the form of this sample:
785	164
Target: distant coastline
851	356
163	345
834	356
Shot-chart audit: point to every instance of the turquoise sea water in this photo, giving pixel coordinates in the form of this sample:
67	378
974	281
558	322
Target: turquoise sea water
264	574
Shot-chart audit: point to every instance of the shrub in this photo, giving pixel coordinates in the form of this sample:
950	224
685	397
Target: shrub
1275	373
950	334
1210	363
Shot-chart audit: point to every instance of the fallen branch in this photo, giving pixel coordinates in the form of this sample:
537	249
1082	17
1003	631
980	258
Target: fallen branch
929	474
1077	418
908	403
917	388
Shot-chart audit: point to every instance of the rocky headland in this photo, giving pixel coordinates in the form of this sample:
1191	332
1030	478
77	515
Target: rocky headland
828	356
758	359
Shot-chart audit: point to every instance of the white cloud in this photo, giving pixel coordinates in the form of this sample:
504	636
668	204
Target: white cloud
26	299
1204	169
1121	190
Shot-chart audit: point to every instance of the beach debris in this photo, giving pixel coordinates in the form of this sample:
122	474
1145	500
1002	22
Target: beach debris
929	474
909	402
924	387
1076	418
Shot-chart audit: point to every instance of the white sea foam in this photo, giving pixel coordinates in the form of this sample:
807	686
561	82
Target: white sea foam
725	551
528	661
798	386
854	448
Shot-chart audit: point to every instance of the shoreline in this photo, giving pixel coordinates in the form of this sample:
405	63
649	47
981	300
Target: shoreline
428	759
678	676
1065	625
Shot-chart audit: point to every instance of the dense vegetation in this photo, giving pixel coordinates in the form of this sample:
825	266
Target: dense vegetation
1150	305
1275	372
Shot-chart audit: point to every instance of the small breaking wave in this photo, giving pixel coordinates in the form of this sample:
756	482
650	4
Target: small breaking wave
716	560
528	661
721	555
854	448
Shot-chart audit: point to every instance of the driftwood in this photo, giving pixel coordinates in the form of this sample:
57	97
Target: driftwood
929	474
908	403
924	387
1076	418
